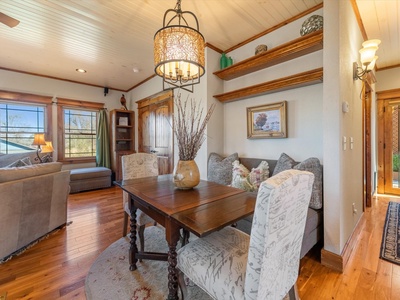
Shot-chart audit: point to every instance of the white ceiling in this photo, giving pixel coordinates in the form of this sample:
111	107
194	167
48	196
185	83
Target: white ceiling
109	38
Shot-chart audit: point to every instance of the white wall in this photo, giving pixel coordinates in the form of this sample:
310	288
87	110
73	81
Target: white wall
343	179
387	79
24	83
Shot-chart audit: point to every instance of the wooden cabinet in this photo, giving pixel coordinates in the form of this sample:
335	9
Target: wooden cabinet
122	138
288	51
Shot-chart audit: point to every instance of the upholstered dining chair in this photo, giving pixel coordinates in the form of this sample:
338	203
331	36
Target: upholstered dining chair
137	165
230	264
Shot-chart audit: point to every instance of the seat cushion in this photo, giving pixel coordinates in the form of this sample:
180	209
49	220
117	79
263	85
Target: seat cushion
195	258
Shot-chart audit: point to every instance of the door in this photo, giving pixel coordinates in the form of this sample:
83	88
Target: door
391	146
155	129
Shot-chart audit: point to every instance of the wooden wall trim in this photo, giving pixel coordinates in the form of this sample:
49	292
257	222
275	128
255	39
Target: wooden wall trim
31	98
339	262
156	98
80	103
388	94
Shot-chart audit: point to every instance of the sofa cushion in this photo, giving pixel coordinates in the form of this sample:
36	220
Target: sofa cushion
285	162
313	165
15	173
247	180
220	168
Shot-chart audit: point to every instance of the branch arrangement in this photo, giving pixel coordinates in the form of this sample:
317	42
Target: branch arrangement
189	127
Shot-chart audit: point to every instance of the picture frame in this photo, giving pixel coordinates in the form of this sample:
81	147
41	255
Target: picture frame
267	121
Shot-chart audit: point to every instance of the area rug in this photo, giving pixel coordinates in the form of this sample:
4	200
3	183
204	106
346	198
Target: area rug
390	248
109	276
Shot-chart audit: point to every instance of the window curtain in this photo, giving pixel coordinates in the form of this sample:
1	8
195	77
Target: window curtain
103	142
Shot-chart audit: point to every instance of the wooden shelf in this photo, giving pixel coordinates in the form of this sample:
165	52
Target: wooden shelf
281	84
293	49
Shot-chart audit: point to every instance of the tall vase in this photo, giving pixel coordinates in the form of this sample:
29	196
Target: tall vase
186	174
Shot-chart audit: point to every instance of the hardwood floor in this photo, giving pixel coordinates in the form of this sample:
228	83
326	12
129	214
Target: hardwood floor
56	267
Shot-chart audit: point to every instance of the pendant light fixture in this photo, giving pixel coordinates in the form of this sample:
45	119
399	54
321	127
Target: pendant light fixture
179	50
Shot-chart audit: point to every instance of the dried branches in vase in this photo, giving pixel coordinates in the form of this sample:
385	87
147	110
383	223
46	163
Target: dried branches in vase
189	127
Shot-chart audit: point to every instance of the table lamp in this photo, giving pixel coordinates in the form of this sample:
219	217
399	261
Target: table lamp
39	141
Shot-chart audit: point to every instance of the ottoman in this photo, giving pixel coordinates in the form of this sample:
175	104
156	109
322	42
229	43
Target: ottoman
85	179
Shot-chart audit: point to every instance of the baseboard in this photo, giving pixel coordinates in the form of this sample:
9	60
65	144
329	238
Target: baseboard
339	262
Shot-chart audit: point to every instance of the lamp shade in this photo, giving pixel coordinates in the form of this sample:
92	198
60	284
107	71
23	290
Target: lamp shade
371	43
48	147
38	139
179	49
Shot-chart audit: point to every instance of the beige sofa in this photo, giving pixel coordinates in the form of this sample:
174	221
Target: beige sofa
33	202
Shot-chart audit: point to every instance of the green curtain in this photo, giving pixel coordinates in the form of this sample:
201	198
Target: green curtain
103	142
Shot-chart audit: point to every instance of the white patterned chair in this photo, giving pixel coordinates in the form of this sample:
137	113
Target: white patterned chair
137	165
230	264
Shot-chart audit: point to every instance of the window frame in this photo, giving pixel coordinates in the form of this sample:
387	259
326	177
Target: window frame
24	98
62	104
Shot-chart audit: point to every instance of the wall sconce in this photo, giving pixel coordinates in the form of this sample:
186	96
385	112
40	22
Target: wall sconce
367	58
39	141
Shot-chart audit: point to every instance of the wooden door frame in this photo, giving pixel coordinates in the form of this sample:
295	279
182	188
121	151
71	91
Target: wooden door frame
383	99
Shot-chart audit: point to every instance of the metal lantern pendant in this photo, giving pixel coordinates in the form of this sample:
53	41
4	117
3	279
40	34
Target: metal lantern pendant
179	51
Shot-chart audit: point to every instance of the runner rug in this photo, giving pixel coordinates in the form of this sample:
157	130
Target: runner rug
109	276
390	248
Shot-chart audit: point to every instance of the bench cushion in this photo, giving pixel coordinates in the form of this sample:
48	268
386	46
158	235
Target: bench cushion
83	173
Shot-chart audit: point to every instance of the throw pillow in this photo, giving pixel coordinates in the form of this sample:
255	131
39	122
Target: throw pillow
313	165
26	161
18	163
285	162
243	179
220	168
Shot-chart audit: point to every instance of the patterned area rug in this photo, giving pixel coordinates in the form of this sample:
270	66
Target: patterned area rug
109	276
390	249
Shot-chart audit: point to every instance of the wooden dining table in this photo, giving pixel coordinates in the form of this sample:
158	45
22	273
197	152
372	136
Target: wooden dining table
201	210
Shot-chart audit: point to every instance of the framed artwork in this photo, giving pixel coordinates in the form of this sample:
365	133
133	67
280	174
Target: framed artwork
267	121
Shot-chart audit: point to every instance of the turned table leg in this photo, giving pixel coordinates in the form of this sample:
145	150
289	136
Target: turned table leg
133	247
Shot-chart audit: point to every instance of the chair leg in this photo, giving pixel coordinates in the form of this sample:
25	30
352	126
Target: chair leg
294	293
184	237
182	284
141	237
124	229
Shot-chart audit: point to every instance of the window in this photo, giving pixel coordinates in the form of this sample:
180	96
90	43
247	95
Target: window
21	116
79	133
77	123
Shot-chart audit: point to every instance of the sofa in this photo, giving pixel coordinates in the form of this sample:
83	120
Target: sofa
248	173
33	203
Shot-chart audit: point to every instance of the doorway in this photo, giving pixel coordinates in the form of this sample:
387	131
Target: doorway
155	133
389	144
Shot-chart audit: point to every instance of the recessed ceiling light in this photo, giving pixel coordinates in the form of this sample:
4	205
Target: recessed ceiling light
81	70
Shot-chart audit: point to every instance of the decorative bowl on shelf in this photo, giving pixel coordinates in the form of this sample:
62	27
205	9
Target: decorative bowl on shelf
313	23
260	49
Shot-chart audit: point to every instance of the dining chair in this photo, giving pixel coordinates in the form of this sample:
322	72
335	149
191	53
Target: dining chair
137	165
230	264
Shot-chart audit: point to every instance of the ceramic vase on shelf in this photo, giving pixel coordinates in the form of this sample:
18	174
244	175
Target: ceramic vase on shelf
186	174
223	61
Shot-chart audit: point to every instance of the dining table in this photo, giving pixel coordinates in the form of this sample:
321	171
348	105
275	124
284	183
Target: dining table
201	210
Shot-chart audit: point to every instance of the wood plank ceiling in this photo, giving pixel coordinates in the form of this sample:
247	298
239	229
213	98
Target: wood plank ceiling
111	38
